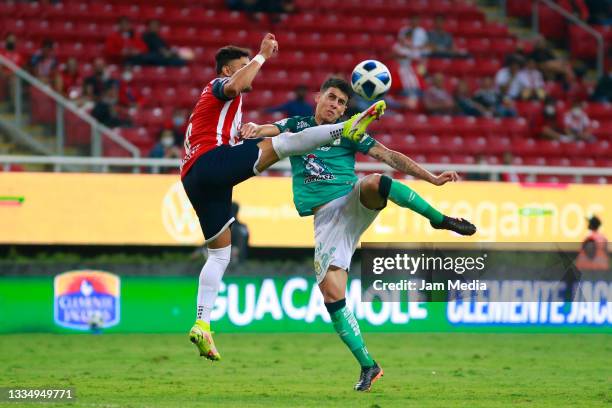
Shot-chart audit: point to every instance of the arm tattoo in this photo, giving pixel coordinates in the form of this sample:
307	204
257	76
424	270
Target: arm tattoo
401	163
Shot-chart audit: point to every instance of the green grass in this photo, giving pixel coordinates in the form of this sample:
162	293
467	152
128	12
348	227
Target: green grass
315	370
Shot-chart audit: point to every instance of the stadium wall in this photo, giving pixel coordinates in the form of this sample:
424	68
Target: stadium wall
258	304
133	209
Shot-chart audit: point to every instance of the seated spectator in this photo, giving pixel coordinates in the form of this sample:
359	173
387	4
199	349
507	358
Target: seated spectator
490	98
577	124
528	84
166	147
440	42
297	106
129	94
44	62
600	12
436	99
465	104
576	7
99	82
9	51
251	7
509	176
419	34
68	80
603	89
159	52
506	74
548	63
550	129
404	48
478	176
124	46
180	121
105	110
410	83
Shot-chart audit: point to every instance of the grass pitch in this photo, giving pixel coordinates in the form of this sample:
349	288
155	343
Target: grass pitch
314	370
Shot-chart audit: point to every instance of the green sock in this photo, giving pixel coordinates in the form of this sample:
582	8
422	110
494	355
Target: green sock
406	197
347	328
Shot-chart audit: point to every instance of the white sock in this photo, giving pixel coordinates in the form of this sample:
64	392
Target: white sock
291	144
210	279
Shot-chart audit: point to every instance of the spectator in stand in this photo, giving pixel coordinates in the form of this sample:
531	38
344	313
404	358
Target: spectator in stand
159	52
440	42
9	51
506	74
436	99
477	176
166	146
105	109
490	98
410	47
577	8
124	46
251	7
528	84
549	64
44	62
405	48
99	82
577	124
465	104
603	90
179	125
240	237
550	122
129	94
68	80
418	35
296	106
510	176
600	12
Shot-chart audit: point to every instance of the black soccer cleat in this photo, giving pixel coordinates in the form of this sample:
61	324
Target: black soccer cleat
368	376
459	225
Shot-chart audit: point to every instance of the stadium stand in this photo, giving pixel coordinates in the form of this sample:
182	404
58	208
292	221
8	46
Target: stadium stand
314	44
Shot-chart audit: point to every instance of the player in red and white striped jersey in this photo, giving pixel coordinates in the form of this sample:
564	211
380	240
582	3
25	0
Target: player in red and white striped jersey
216	159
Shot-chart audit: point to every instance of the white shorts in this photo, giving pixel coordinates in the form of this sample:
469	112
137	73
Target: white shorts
338	225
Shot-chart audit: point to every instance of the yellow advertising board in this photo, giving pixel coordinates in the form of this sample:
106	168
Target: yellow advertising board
120	209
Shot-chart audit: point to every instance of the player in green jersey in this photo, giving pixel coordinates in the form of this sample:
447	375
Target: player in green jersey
325	185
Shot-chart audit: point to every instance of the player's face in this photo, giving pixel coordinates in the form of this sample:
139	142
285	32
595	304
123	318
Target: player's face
234	65
331	104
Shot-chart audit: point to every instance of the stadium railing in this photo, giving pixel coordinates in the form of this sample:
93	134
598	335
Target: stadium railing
149	165
535	22
58	111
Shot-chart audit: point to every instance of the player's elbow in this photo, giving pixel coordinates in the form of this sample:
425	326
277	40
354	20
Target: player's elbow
231	90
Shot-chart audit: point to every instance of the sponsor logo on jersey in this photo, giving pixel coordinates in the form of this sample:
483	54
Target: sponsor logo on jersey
86	299
315	169
282	122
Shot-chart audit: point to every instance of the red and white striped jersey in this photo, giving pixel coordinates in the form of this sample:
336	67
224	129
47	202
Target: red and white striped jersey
215	121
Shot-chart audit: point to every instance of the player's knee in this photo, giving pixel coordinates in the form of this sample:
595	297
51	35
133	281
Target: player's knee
370	183
220	256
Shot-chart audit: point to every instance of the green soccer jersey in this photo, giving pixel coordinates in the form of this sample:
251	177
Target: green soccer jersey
325	173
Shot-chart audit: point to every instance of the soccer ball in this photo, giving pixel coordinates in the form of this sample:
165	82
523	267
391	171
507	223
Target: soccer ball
371	79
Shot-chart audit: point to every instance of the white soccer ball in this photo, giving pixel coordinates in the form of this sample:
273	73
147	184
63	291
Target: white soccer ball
371	79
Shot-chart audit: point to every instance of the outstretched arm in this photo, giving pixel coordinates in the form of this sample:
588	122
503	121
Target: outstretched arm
253	131
243	78
406	165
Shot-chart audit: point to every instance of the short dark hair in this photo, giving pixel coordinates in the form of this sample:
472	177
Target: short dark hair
339	83
227	54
